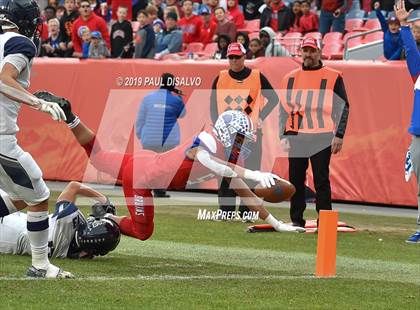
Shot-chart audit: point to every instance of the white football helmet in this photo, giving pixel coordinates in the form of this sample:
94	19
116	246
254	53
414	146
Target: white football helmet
231	123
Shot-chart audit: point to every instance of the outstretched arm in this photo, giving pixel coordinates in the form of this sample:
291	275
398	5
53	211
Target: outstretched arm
74	189
13	90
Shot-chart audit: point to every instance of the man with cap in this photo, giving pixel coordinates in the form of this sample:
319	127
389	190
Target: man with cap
170	41
156	124
241	88
313	117
209	25
393	44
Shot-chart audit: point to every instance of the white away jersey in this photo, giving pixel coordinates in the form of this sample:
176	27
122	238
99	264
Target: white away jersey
63	225
19	51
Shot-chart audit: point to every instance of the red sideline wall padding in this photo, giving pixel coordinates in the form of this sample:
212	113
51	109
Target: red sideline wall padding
370	167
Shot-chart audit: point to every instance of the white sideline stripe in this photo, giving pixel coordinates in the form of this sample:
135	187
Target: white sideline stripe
171	278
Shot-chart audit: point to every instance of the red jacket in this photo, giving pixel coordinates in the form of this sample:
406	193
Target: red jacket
191	28
94	23
235	15
207	32
332	5
309	22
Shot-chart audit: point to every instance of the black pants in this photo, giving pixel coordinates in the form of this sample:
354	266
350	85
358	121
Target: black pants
226	195
297	176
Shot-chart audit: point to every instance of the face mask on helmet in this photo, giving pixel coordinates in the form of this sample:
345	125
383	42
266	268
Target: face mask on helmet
98	236
234	127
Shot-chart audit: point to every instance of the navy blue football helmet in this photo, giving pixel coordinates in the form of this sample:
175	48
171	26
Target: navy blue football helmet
22	14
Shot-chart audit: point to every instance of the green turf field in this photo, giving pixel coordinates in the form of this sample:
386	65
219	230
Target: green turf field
190	264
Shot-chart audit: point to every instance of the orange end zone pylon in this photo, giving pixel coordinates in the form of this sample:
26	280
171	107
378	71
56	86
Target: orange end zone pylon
327	244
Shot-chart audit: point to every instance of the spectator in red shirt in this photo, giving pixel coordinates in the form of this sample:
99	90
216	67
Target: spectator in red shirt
94	23
190	24
224	26
234	14
209	26
256	49
309	20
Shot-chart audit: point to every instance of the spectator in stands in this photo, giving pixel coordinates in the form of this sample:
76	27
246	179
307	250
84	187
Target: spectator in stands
101	9
97	47
90	20
66	26
60	12
85	34
250	8
158	26
53	46
277	16
256	49
158	4
49	12
243	38
309	20
333	14
223	42
145	37
152	11
53	3
212	4
122	35
190	24
156	124
170	41
393	44
224	26
234	14
271	46
208	30
296	13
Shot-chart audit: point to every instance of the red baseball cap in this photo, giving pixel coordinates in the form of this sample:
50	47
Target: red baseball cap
236	49
311	42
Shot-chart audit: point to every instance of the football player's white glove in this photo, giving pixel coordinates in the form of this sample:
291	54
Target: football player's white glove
51	108
265	179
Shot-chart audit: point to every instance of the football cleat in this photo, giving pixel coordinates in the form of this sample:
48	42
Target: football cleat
415	238
281	227
52	272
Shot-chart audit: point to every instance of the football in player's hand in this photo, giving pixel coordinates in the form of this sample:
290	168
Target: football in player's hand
279	192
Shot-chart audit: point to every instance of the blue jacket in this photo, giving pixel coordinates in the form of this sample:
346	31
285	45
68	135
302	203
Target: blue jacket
393	45
169	41
156	123
413	63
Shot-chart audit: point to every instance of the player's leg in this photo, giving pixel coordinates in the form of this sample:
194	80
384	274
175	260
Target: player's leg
140	205
22	178
321	171
256	204
415	158
297	176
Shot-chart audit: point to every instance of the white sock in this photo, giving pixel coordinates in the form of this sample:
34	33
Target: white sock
272	220
37	225
6	205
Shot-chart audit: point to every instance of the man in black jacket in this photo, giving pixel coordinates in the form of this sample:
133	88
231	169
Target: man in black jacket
277	16
66	26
